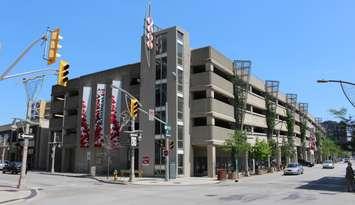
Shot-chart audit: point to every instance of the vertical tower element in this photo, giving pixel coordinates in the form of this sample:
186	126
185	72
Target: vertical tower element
291	100
240	88
271	95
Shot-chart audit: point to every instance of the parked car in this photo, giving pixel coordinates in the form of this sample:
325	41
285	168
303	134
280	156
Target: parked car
3	163
12	167
346	160
328	164
305	163
293	168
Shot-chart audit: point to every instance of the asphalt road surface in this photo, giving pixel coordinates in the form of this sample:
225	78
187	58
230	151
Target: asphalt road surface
315	186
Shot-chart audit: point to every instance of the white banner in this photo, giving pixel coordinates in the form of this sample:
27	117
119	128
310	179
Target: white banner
115	122
100	114
85	117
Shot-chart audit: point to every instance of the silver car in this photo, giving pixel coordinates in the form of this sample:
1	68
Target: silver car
294	169
328	164
3	163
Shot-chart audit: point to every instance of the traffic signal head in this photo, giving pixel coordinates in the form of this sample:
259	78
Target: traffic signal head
133	108
63	73
53	46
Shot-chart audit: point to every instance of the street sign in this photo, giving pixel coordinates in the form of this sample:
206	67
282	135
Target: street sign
146	161
167	131
151	114
134	134
26	136
88	156
133	141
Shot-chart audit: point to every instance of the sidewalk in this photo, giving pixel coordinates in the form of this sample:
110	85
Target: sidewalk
10	194
184	181
142	180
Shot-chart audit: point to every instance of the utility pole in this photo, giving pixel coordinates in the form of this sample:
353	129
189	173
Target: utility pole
25	147
166	145
54	146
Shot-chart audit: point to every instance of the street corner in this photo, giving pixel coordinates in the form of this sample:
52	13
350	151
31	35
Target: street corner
10	194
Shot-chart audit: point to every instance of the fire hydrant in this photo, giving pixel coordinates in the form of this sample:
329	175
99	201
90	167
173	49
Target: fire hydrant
115	174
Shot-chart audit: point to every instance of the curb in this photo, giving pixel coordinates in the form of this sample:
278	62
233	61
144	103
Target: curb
33	193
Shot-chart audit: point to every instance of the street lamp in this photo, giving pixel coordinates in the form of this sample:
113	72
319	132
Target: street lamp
341	85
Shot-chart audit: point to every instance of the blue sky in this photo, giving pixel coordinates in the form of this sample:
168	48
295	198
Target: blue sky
296	42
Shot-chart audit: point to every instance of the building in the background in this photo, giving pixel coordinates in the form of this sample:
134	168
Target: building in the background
341	132
11	143
192	89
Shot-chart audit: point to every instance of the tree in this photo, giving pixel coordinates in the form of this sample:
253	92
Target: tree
237	145
290	124
261	150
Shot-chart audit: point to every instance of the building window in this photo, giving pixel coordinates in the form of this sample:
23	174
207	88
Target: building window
180	108
199	94
159	146
134	81
222	73
162	44
180	36
161	68
180	52
198	69
222	98
223	123
159	127
180	135
160	95
200	121
180	164
180	80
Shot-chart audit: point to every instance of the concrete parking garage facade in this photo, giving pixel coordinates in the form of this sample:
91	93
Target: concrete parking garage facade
196	86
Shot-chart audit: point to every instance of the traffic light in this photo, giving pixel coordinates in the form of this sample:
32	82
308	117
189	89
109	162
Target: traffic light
149	32
54	46
133	108
63	73
171	145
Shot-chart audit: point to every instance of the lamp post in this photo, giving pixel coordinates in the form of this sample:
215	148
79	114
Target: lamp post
341	85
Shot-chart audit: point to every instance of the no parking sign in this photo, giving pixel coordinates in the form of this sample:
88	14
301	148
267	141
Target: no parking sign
146	161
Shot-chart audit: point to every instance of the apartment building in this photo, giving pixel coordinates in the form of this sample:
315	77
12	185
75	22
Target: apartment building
11	143
189	88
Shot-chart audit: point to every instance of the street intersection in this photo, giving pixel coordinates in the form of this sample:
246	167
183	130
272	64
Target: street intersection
315	186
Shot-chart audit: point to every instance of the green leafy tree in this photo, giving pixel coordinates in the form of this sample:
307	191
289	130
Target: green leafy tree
303	129
238	145
290	124
261	150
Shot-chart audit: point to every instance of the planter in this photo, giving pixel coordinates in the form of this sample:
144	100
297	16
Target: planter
261	171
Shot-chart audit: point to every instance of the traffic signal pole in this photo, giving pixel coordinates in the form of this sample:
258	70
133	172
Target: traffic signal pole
167	160
25	148
131	175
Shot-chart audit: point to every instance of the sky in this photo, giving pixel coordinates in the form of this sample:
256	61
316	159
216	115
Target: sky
296	42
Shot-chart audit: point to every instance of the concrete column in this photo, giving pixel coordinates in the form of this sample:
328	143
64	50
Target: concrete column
210	93
211	160
209	67
210	121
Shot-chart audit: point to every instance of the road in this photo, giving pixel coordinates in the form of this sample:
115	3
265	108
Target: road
315	186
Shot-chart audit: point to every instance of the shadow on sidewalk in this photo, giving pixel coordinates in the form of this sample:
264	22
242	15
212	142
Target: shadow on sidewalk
335	184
